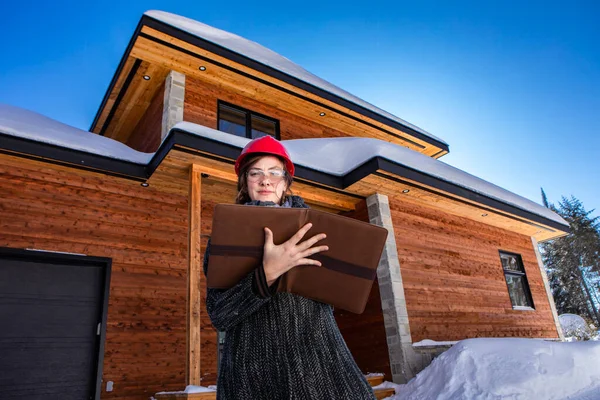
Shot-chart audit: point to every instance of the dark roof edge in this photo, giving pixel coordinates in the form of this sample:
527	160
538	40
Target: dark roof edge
54	154
113	81
258	66
139	172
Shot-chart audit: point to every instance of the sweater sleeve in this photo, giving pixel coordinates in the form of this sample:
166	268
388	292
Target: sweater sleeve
228	307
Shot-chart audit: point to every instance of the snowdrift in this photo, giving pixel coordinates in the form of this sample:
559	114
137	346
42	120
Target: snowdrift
494	369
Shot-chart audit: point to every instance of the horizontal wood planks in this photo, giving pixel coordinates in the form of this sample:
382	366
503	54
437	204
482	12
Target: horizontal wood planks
453	278
143	230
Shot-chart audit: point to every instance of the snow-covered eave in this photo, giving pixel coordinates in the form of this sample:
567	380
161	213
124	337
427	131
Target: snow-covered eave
28	133
229	146
152	19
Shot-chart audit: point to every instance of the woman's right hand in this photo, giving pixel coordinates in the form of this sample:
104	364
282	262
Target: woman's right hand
278	259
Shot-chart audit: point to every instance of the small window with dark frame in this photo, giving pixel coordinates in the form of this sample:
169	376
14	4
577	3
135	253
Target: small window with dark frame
516	280
245	123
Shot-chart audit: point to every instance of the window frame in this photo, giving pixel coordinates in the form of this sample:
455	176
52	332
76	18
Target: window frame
249	114
523	275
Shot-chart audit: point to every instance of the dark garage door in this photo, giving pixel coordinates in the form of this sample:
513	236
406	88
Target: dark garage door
51	324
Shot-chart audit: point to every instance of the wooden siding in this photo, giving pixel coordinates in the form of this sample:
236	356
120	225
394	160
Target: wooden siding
201	108
146	136
144	232
454	282
365	333
134	102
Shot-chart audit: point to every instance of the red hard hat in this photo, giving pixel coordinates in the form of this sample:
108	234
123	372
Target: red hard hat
266	145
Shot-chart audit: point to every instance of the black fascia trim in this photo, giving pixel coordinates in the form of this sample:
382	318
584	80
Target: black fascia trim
180	137
309	174
49	257
115	106
258	66
73	158
113	81
369	167
227	153
468	194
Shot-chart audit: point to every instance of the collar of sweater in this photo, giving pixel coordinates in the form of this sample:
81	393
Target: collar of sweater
290	202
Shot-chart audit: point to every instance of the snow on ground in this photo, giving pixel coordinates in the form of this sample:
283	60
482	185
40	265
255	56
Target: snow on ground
516	369
576	328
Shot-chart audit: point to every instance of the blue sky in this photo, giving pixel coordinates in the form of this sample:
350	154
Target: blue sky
513	87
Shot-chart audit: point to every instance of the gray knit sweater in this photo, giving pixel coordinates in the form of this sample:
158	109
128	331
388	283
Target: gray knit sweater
280	345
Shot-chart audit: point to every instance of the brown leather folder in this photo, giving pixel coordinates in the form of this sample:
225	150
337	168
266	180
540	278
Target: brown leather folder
348	268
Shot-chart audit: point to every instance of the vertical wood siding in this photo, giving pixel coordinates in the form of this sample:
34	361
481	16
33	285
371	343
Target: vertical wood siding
453	277
143	231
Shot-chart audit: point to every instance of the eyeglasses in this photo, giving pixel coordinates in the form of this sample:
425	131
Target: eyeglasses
257	175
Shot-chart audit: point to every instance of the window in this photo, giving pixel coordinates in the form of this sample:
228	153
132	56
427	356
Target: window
516	280
245	123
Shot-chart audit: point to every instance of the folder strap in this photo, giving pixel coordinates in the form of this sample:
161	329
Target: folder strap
330	263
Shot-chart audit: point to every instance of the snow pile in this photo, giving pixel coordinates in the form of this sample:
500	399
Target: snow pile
496	369
193	389
576	328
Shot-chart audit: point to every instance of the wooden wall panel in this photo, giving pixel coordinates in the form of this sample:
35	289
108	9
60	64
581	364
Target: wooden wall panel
201	108
144	231
453	278
146	136
365	333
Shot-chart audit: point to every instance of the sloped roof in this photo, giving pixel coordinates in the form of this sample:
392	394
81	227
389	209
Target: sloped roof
269	58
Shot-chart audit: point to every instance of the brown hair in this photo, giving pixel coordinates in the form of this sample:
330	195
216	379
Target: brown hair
243	196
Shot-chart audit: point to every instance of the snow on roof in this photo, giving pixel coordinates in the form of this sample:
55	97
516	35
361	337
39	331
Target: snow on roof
334	156
509	369
339	156
15	121
269	58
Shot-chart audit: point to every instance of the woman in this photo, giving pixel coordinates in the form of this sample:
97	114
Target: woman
278	345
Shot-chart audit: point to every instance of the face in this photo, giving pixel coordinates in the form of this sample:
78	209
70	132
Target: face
263	187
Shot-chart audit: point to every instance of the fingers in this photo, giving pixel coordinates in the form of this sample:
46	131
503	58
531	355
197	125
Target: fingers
310	242
307	261
268	236
313	250
299	235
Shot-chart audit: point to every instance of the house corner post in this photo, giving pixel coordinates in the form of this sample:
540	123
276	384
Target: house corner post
405	363
548	289
193	339
173	102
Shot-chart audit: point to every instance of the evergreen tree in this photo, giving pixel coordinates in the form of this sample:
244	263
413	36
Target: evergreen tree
567	258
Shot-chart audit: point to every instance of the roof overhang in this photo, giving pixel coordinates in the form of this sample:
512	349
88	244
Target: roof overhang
157	47
339	192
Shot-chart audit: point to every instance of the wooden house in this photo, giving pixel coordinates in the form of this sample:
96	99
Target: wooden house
102	233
